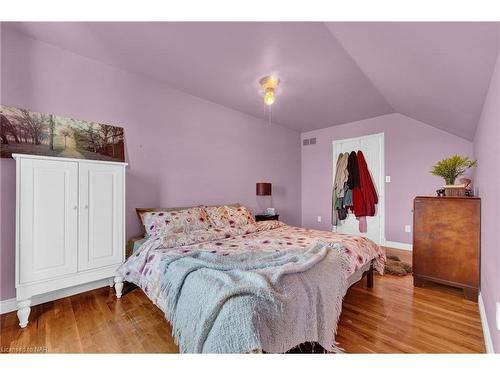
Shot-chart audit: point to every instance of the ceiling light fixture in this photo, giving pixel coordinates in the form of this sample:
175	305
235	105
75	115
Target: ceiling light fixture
269	84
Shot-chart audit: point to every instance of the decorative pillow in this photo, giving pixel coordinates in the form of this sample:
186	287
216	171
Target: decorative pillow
239	216
159	223
218	215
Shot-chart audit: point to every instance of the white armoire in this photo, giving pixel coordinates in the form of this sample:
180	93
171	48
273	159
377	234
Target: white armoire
70	225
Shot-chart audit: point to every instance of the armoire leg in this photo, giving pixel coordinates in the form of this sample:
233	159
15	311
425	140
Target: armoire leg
118	286
23	312
111	282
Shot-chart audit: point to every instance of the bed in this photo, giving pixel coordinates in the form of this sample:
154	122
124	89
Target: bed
228	284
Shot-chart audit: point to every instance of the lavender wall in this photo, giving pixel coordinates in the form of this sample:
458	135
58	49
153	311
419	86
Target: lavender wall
182	150
487	181
411	148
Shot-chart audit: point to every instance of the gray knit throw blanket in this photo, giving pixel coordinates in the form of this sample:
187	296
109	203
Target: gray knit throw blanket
255	301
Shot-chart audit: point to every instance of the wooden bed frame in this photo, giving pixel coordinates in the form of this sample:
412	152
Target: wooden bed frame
369	276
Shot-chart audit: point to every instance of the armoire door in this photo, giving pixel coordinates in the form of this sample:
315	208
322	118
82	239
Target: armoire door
48	220
101	215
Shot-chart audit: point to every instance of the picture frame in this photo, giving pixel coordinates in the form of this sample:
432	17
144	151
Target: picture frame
27	132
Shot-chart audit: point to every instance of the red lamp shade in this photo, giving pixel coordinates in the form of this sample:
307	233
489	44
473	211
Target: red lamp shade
263	188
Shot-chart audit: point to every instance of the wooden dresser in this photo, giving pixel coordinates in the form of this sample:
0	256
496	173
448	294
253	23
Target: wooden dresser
446	242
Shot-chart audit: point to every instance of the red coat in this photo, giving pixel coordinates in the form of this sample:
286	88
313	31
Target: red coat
358	202
365	198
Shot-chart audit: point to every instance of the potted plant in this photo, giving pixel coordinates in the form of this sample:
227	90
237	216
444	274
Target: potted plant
450	168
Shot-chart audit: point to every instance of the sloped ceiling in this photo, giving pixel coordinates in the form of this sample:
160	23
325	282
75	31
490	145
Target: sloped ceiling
223	62
330	73
437	73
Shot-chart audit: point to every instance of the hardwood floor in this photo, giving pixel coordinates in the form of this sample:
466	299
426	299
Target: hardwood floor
393	317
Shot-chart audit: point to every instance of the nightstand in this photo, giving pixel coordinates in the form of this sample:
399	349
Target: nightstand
266	217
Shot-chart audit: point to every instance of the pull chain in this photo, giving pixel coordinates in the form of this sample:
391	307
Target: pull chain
267	109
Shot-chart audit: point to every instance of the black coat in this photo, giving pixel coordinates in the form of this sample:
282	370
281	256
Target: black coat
352	168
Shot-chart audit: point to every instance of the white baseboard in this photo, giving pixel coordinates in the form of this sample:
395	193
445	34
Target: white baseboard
398	245
486	328
9	305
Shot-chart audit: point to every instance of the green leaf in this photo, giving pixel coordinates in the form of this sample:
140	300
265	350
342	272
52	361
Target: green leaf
452	167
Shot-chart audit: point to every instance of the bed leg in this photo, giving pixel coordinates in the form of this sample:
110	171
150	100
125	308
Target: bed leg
118	286
369	278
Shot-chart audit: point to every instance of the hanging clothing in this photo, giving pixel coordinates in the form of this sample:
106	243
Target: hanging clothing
347	201
340	180
365	197
368	191
353	182
353	171
341	175
342	213
358	203
353	189
334	192
362	225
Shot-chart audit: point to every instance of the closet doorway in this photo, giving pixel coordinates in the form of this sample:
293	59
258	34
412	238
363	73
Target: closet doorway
372	147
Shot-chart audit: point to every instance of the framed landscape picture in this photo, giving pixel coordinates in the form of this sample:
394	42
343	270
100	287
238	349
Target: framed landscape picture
26	132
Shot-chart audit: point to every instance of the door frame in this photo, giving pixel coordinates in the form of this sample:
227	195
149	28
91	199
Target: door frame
381	192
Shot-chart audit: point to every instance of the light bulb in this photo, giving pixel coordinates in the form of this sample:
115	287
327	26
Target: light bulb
269	97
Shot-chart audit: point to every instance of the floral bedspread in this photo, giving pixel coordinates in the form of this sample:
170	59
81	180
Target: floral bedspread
143	268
